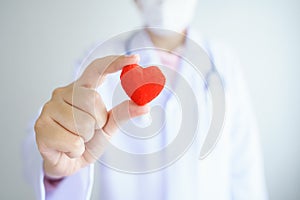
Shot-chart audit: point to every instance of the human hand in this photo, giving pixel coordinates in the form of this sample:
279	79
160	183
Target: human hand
69	143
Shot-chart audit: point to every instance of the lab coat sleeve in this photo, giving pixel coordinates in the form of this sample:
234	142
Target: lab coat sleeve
247	170
77	186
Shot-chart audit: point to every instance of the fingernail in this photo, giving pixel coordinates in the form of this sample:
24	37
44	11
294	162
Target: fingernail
142	121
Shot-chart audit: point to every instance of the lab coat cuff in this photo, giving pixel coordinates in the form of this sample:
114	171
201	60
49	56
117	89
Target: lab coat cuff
76	186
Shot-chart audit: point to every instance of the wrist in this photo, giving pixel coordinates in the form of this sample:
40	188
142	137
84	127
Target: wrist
51	183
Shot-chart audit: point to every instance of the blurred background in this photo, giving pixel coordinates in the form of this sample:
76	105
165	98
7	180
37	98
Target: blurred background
42	41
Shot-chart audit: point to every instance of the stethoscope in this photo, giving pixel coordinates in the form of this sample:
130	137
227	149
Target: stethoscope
213	70
214	85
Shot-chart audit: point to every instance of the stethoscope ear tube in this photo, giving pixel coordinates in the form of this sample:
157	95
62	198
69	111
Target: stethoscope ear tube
217	92
215	87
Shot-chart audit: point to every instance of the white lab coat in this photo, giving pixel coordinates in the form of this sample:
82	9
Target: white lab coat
233	170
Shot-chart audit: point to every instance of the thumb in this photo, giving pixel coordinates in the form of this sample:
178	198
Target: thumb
116	117
121	114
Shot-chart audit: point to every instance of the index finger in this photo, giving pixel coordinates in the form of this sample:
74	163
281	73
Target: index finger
96	71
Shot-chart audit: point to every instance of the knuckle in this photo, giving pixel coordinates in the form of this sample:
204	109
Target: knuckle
87	129
41	147
39	124
97	98
47	106
93	97
76	153
101	119
77	143
57	92
93	102
96	61
84	98
81	150
100	112
39	127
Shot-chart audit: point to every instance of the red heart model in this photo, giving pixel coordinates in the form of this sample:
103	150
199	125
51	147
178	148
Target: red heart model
142	85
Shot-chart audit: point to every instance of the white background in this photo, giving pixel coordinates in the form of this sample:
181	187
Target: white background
41	42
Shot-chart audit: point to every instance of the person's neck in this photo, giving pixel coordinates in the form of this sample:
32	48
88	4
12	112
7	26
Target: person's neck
170	42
